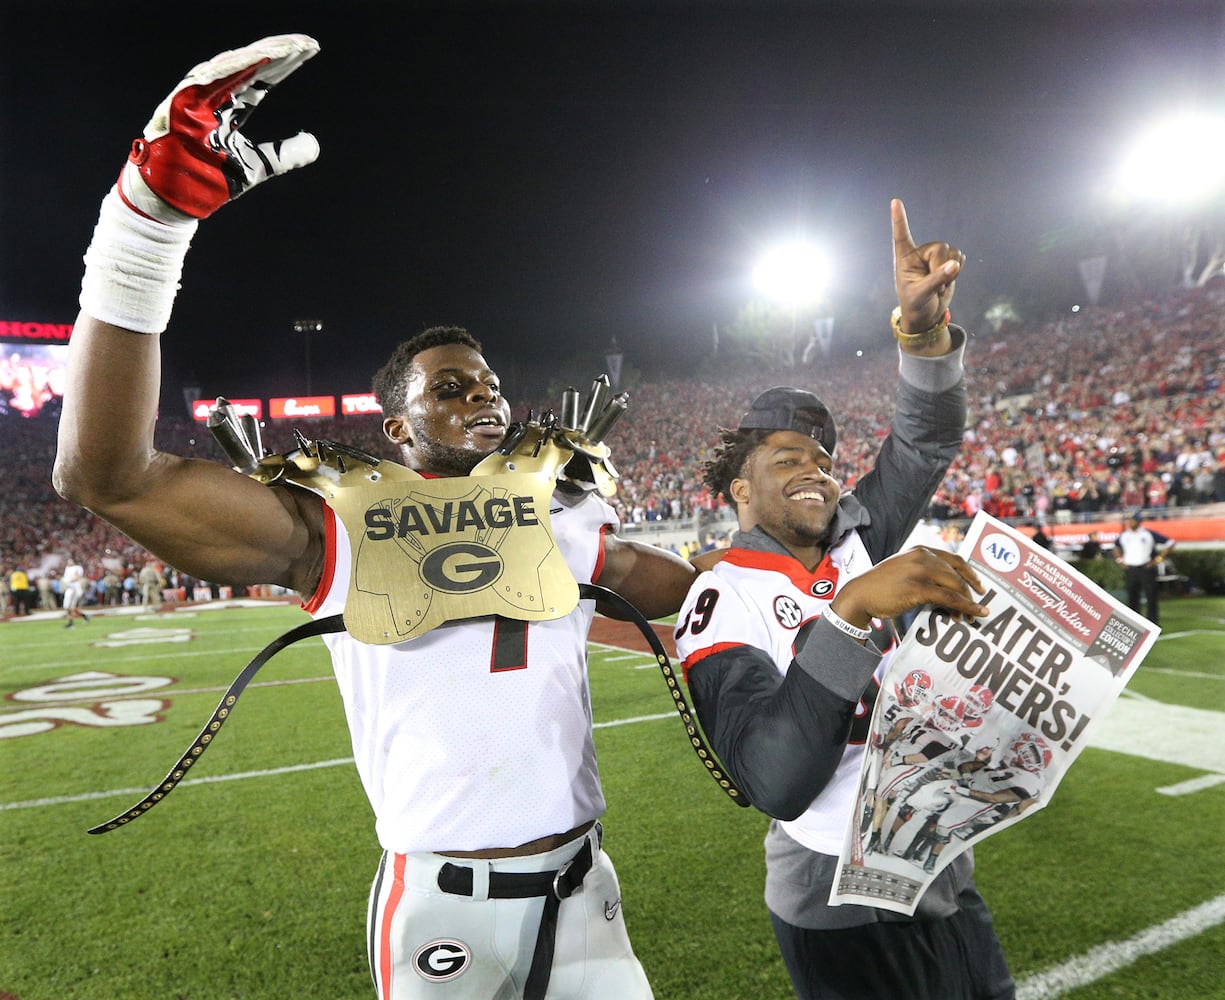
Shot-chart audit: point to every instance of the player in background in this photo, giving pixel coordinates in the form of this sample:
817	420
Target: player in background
906	794
74	583
898	709
473	741
774	642
978	701
909	701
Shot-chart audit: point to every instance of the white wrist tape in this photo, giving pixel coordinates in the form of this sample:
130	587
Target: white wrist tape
133	266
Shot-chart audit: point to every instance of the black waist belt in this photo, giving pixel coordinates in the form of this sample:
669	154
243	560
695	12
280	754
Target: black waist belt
554	886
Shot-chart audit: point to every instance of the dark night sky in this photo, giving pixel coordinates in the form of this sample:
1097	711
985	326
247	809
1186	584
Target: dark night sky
552	175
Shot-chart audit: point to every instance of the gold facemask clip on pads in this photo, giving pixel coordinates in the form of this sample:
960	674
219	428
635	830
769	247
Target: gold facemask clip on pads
569	450
429	551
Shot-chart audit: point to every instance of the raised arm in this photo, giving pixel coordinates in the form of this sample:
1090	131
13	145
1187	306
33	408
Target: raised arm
929	420
197	515
925	278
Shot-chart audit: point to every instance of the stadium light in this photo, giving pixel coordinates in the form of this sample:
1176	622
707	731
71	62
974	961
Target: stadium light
794	274
306	327
1180	160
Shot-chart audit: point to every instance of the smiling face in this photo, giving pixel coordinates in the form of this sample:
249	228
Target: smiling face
786	487
454	411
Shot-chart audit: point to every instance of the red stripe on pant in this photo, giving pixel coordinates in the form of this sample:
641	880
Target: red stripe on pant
394	895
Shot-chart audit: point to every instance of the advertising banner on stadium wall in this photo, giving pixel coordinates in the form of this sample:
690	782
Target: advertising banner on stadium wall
21	332
301	407
1195	524
977	721
201	408
294	407
358	403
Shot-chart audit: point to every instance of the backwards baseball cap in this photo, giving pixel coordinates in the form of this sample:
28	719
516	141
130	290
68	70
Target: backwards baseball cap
785	409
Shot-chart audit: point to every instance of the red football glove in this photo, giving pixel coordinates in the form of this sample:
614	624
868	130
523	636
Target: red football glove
193	155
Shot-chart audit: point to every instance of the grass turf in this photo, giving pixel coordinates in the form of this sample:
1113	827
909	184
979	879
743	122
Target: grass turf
248	884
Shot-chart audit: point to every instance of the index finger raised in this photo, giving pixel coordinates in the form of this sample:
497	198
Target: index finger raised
902	240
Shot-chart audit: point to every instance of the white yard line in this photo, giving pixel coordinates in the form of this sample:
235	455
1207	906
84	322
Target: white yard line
1154	730
1193	785
61	800
166	653
1099	962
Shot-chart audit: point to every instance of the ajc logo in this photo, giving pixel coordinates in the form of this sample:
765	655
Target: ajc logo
1000	552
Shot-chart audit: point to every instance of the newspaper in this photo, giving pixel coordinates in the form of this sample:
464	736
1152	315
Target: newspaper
976	722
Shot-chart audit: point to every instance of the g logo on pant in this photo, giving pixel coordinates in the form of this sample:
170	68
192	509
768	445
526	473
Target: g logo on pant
441	960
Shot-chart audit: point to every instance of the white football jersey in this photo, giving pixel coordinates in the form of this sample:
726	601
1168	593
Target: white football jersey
763	599
476	734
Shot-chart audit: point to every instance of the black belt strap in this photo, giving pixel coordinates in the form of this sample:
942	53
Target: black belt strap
554	886
706	755
334	623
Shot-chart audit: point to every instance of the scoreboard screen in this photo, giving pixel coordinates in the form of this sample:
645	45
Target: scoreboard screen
32	379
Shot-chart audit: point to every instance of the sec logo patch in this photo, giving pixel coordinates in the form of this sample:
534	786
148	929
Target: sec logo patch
787	611
441	960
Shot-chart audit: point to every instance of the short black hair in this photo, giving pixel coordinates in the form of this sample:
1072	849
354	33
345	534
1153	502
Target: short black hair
391	381
729	459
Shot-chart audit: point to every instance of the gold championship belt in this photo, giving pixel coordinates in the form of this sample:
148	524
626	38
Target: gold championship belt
429	551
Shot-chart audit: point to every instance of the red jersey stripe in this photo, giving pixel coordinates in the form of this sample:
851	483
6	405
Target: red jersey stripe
599	559
789	566
329	561
698	655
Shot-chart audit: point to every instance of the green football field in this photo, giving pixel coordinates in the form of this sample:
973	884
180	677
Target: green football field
250	880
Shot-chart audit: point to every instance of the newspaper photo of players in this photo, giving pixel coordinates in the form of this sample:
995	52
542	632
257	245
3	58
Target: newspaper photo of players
976	722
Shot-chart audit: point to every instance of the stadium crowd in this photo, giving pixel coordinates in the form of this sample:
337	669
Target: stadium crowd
1103	410
1108	409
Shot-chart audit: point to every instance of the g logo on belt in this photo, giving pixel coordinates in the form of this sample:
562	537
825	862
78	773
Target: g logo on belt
461	567
441	960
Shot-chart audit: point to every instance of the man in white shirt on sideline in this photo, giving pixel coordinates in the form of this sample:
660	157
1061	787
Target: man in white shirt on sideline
1140	552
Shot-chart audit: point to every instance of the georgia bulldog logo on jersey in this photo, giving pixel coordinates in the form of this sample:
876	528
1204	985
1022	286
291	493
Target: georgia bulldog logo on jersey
822	588
787	611
441	960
